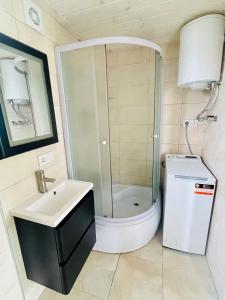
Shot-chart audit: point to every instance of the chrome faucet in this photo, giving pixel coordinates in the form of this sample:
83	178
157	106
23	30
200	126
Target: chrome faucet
41	181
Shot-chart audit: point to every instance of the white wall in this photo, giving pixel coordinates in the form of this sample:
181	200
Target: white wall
17	173
207	140
179	104
9	282
17	179
214	157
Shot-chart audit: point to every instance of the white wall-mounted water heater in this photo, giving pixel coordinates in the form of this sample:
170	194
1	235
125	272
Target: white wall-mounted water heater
13	81
201	51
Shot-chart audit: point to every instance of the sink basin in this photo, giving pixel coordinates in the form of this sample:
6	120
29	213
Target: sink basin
51	208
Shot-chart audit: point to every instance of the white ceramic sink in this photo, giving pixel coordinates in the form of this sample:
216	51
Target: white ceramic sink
51	208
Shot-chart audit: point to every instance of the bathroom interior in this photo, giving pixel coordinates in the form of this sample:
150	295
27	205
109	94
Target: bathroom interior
112	149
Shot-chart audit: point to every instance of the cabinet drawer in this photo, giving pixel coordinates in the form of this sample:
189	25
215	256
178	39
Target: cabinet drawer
69	232
71	269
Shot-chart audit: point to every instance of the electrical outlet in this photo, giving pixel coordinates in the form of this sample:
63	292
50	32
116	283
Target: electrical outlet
45	158
191	123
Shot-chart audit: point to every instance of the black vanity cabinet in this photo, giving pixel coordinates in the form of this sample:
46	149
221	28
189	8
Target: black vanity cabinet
54	257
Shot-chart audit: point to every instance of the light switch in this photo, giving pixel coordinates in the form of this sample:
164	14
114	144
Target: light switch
45	158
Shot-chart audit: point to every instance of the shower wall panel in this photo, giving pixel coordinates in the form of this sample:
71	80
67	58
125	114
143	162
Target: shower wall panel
130	73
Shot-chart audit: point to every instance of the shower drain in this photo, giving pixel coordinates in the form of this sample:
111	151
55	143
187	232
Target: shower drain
136	204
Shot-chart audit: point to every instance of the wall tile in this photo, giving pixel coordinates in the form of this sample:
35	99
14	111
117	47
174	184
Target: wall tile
133	133
170	134
172	114
112	57
172	94
171	50
214	157
114	149
133	167
63	36
134	74
58	119
190	111
8	24
113	99
6	6
149	150
30	36
196	149
112	76
206	140
133	180
18	182
179	104
168	149
118	55
195	135
115	165
150	115
55	90
9	282
195	96
58	151
11	229
18	10
113	115
16	168
133	115
49	26
115	178
16	194
133	151
114	133
131	106
151	56
149	168
134	95
58	171
170	70
150	134
133	56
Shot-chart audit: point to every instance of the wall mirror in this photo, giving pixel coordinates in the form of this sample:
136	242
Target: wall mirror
27	119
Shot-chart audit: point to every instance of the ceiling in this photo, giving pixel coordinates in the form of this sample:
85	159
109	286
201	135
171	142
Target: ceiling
157	20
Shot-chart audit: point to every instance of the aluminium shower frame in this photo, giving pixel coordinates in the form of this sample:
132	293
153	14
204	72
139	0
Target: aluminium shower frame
97	42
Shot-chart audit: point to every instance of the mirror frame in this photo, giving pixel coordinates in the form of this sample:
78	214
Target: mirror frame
5	149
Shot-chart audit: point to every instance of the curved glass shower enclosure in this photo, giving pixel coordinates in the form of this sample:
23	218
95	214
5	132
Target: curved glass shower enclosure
111	94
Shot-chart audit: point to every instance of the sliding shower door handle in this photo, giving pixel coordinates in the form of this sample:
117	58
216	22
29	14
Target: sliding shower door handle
104	142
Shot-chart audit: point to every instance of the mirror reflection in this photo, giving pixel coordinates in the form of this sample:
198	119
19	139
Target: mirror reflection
23	97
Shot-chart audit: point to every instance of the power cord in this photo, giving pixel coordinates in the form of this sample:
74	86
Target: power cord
187	138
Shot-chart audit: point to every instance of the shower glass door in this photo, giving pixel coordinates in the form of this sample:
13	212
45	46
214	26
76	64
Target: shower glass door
84	80
112	99
156	135
131	94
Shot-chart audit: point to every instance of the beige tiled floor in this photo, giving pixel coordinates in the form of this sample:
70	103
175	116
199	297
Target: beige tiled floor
150	273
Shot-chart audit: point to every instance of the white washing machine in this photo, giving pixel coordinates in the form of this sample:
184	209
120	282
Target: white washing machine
189	190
